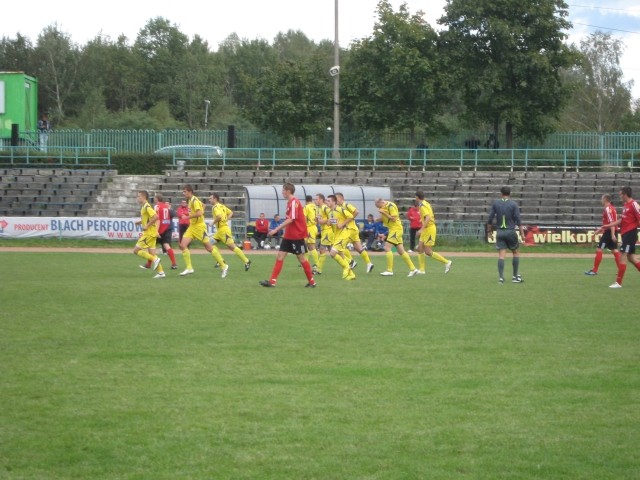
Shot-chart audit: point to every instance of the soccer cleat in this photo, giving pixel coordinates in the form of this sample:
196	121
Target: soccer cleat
517	279
386	273
160	275
447	266
413	272
188	271
351	276
247	266
310	285
225	270
155	263
501	281
615	285
266	283
353	263
144	267
345	272
174	267
369	267
314	269
421	272
590	273
217	265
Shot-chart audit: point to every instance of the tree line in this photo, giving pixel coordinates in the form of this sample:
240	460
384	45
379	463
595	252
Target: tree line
494	66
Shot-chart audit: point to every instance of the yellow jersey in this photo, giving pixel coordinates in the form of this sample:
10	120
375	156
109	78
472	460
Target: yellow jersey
425	209
347	207
311	214
222	211
147	212
391	209
194	205
324	213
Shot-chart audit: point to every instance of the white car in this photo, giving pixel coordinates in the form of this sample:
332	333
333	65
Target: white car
191	151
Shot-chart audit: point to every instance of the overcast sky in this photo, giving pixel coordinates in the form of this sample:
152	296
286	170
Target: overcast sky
217	19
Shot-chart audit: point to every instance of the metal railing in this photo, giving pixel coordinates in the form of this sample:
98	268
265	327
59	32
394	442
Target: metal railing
349	159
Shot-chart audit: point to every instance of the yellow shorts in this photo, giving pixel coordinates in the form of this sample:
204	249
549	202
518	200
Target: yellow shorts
340	241
428	236
326	239
353	235
312	234
395	236
146	241
197	232
223	235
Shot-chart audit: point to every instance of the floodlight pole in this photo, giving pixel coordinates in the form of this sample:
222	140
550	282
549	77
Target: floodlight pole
206	113
336	90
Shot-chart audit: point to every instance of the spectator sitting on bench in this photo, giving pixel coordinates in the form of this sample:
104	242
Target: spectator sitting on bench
262	228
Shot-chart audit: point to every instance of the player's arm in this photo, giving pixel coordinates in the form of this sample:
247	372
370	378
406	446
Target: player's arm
348	218
281	226
152	220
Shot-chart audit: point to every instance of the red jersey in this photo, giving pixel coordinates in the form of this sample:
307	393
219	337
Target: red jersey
413	215
296	230
183	211
630	217
262	225
609	215
164	216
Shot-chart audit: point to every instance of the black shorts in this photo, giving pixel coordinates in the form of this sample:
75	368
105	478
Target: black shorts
629	240
507	239
296	247
606	241
166	237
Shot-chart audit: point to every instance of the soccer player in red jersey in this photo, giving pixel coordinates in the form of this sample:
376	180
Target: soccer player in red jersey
629	222
294	238
609	238
165	227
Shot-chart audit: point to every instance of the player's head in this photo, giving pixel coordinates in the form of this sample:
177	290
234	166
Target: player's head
143	196
319	198
420	195
605	199
159	197
505	191
308	199
214	198
187	191
625	193
332	200
380	202
289	187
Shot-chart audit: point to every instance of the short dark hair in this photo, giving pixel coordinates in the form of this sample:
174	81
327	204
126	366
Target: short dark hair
188	188
216	196
144	193
309	198
420	194
289	187
333	197
626	191
505	191
320	196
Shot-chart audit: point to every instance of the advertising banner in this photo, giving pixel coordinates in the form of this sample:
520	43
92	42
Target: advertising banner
556	235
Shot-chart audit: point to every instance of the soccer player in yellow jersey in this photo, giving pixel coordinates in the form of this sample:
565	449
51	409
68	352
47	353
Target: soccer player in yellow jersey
353	233
197	231
311	217
326	231
427	235
221	215
339	218
391	219
146	244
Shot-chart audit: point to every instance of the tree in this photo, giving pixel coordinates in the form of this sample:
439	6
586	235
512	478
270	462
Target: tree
293	99
601	99
392	79
57	67
17	54
508	55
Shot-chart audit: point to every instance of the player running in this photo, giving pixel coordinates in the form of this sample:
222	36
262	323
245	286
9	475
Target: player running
391	219
221	215
427	236
146	244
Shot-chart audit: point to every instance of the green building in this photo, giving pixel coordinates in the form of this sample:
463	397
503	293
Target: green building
18	104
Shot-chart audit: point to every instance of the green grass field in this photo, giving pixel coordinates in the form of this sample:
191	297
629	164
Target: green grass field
106	373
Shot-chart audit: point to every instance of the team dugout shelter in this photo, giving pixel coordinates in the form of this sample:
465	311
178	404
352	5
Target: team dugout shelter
268	199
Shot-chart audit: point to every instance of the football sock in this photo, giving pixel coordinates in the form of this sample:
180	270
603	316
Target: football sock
314	256
365	256
407	259
637	265
172	256
146	255
306	266
422	262
438	257
277	268
389	258
516	264
321	259
186	254
616	255
622	268
215	253
238	251
597	260
341	261
347	254
501	267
